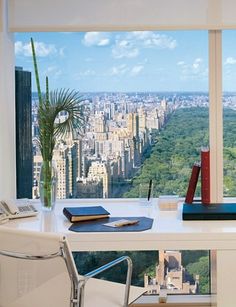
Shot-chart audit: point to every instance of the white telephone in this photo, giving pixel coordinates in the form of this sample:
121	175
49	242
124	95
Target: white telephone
12	209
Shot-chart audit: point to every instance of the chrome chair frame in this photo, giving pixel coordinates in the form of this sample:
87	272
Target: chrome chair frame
78	282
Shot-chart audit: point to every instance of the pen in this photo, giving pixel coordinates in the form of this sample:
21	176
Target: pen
149	189
125	223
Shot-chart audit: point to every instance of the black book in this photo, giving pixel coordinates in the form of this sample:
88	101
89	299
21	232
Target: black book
77	214
200	211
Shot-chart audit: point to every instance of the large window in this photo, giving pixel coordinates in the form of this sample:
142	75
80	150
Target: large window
147	96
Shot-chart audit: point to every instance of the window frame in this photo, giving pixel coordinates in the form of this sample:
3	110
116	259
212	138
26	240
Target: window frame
215	115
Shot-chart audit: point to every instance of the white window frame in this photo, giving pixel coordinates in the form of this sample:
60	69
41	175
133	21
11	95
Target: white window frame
215	115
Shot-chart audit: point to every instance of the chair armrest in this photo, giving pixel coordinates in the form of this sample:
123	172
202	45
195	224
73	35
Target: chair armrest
110	265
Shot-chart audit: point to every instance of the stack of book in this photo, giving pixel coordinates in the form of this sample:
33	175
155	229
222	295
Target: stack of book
204	166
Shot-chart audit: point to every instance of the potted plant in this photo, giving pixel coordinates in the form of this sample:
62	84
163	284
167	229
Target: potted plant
50	129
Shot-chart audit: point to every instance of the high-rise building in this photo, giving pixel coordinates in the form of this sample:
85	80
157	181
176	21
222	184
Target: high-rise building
79	157
37	163
66	162
133	124
100	122
171	275
99	170
60	156
24	169
164	105
66	158
89	188
142	119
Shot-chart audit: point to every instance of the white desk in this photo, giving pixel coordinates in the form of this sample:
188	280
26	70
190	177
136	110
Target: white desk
168	232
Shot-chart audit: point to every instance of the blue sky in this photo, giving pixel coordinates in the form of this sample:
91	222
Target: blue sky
125	61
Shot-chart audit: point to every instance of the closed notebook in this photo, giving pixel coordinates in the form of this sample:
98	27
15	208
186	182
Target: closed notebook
77	214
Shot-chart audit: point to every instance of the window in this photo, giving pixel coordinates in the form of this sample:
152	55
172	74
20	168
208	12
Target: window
144	91
188	274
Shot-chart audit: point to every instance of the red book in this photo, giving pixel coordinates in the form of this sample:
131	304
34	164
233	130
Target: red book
192	183
205	175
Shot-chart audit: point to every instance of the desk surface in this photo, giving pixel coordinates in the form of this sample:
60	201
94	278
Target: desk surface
168	230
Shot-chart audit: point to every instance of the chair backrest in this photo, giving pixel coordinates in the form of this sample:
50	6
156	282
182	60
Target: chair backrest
35	269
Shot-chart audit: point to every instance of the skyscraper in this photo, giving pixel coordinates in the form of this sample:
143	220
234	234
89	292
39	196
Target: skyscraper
24	170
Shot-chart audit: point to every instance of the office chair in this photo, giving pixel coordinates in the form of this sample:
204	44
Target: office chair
38	270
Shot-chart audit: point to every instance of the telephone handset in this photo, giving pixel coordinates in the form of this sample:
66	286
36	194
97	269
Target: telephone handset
12	209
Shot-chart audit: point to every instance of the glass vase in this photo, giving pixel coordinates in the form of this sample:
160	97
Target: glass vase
48	185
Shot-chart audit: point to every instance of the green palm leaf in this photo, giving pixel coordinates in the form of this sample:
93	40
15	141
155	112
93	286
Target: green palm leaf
68	101
50	106
50	128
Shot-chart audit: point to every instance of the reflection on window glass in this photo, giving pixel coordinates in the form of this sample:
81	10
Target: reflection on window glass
229	111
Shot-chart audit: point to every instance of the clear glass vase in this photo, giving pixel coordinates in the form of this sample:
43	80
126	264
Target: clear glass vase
48	185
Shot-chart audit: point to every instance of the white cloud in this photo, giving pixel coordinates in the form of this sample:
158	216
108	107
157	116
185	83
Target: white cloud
151	39
96	39
118	70
104	42
123	69
162	42
53	71
50	69
61	52
194	70
124	49
196	66
41	49
129	45
88	72
136	70
141	34
84	74
230	61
